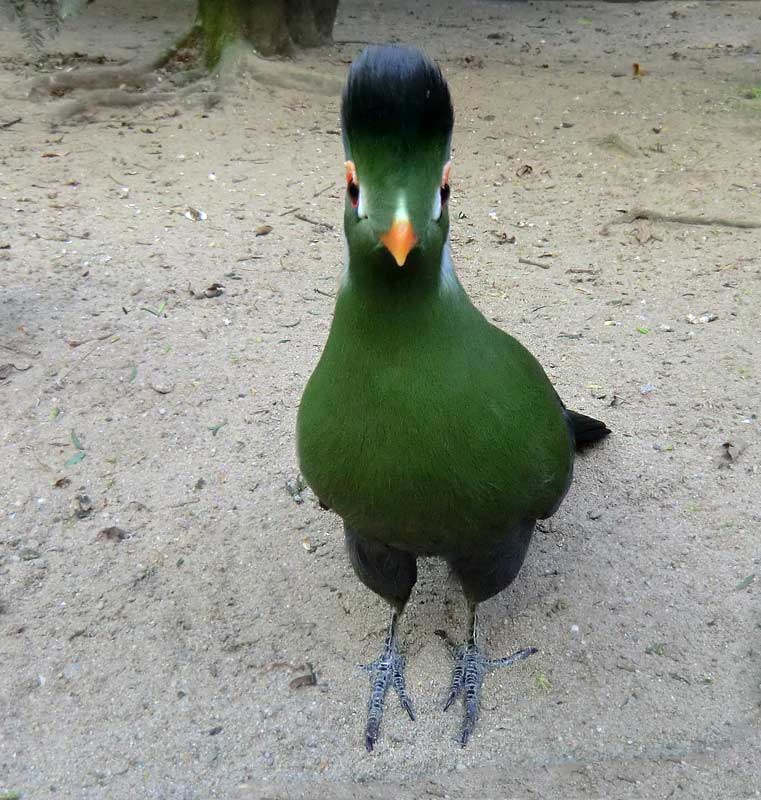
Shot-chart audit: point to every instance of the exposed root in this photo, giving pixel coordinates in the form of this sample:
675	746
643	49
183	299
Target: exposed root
61	83
680	219
107	98
125	85
238	60
148	82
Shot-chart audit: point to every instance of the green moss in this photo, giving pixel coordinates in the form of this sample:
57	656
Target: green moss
226	24
220	24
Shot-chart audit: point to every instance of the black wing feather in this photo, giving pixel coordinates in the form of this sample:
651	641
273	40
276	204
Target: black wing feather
586	430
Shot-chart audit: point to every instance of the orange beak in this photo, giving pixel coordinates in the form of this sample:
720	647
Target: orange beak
399	240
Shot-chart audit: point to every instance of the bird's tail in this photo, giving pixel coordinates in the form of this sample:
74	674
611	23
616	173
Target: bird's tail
586	430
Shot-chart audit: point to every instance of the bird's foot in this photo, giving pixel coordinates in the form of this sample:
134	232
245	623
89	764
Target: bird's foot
470	667
387	670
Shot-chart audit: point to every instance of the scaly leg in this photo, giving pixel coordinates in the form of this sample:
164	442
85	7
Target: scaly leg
470	667
387	670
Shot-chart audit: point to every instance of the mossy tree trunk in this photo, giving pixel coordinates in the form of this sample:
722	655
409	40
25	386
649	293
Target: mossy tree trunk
272	27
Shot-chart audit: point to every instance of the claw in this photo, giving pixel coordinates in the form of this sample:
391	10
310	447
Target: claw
470	668
387	670
458	677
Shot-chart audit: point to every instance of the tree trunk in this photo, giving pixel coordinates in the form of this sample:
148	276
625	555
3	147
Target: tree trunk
271	27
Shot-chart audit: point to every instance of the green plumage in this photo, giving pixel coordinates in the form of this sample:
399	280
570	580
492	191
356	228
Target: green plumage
427	427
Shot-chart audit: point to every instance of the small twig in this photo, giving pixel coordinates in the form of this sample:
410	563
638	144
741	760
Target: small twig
288	211
6	125
323	190
184	503
74	366
27	353
304	218
680	219
533	263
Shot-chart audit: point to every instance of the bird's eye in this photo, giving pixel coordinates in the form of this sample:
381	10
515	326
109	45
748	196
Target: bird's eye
352	187
444	193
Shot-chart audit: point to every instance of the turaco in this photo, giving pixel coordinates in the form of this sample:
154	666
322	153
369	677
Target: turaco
429	431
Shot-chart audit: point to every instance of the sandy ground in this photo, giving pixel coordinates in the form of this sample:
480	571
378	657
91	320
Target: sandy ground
159	661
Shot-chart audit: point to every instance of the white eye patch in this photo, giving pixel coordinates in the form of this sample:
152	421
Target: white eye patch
436	205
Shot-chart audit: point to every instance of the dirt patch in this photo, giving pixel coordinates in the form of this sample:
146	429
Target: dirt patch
166	587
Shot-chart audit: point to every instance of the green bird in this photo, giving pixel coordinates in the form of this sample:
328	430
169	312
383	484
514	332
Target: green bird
428	430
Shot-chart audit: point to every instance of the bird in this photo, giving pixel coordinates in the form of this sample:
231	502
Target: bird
428	430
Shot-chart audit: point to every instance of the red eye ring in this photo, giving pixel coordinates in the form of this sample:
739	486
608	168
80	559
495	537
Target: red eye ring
352	186
444	191
353	189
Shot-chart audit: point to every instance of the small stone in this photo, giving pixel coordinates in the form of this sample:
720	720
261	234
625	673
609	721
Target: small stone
706	316
112	534
72	671
82	506
194	213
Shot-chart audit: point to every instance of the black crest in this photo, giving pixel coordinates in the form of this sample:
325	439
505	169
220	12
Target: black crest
396	92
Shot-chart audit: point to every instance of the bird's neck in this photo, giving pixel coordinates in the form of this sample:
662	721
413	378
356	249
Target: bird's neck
413	306
426	274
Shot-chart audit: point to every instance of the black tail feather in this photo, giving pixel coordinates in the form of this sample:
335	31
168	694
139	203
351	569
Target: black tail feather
586	430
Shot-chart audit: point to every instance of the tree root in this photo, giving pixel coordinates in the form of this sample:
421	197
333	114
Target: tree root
681	219
239	60
61	83
129	85
107	98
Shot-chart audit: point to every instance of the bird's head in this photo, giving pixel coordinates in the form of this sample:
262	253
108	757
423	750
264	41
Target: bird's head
397	126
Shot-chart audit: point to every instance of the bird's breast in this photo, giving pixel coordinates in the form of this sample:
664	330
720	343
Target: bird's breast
427	451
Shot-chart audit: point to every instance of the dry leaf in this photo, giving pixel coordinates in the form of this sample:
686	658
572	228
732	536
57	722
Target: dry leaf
731	451
112	534
213	290
310	679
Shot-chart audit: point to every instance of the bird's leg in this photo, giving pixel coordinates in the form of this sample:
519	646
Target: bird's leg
387	670
470	667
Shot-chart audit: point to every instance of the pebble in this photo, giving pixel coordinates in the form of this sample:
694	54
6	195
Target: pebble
72	671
